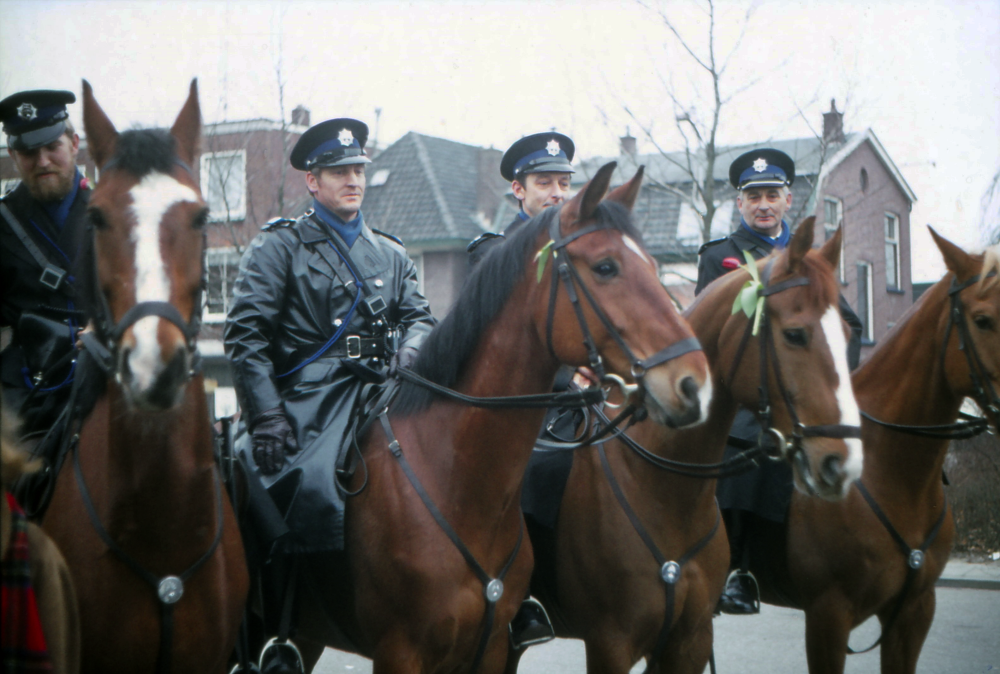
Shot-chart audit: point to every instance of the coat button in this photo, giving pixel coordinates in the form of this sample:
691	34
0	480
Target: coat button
337	322
379	283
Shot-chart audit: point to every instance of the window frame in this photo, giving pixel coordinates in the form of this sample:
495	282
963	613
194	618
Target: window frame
231	256
831	227
867	320
235	215
896	282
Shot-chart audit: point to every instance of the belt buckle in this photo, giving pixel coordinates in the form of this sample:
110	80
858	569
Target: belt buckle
354	346
52	277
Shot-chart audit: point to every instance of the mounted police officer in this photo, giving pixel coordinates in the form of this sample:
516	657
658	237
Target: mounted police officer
321	306
539	171
762	178
42	234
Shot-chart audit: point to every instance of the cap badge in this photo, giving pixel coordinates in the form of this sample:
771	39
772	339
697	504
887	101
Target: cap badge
552	147
345	137
760	165
27	111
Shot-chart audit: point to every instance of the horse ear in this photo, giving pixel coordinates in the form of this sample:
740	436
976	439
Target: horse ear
583	205
627	194
801	242
187	127
960	263
831	249
101	134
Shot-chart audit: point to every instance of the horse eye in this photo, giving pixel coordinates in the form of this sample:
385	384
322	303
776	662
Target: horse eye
796	337
200	219
97	219
983	322
606	269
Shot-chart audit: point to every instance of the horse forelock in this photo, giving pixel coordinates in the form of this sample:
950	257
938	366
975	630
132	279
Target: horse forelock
821	292
143	151
485	292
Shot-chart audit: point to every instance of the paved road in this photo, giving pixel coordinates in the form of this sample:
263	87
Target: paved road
963	640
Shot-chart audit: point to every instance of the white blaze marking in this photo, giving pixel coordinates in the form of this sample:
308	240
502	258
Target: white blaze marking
849	413
705	394
634	247
151	199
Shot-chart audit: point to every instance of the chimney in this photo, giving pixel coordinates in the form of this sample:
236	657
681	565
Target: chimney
300	115
833	125
627	143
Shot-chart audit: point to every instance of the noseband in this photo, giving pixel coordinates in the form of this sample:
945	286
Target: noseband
787	449
563	270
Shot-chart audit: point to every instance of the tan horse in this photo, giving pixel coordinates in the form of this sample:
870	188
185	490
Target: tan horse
405	595
842	564
138	509
50	577
602	582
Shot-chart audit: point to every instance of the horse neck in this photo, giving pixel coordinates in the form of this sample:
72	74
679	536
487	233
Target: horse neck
484	462
903	382
162	458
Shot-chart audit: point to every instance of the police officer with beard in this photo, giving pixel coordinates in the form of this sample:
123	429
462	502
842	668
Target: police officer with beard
762	178
42	234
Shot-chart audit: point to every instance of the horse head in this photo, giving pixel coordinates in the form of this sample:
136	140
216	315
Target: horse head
623	312
148	218
803	388
973	368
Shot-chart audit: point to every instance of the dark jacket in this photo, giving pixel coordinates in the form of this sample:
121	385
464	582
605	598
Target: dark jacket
766	491
46	335
291	291
484	243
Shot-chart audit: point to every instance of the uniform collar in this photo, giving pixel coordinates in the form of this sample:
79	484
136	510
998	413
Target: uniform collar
348	231
778	242
522	216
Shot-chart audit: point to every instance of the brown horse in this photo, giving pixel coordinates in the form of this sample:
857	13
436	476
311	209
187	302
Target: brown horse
838	561
404	594
630	598
138	511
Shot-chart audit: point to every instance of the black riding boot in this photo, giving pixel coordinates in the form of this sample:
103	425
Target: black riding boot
531	625
741	596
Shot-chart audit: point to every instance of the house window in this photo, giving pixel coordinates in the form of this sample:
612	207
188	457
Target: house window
864	180
892	280
224	184
865	309
833	218
223	266
418	262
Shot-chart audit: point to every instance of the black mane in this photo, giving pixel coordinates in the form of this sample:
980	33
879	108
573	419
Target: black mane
143	151
486	291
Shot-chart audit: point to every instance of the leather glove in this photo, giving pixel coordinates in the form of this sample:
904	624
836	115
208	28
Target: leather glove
272	437
405	357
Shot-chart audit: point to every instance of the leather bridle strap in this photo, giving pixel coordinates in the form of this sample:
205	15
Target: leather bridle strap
915	557
142	310
982	388
169	589
569	399
492	587
670	571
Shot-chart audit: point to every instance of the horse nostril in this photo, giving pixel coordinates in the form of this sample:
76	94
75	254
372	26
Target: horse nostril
832	470
689	390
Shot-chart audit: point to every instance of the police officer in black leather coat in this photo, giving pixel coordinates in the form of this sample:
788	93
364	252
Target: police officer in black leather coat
43	235
762	178
321	305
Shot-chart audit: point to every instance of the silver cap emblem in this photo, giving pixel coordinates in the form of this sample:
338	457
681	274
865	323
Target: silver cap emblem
552	147
27	111
760	165
345	137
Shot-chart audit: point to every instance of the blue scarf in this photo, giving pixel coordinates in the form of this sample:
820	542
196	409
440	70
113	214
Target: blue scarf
58	211
524	216
780	242
348	231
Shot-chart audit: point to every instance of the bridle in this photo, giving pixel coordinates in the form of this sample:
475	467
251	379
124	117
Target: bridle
564	271
109	332
983	391
790	450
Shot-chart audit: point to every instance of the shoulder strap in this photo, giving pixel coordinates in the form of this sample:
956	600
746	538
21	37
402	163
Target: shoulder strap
52	274
374	302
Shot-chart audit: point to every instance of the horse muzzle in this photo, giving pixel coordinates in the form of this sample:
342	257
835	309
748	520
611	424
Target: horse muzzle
678	399
154	365
825	467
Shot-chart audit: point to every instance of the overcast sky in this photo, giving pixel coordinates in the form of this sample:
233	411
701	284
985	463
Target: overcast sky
924	74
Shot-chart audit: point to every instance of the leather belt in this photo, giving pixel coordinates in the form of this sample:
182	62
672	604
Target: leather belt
356	346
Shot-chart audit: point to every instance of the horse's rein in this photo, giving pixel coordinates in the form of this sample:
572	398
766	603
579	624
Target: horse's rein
787	449
982	388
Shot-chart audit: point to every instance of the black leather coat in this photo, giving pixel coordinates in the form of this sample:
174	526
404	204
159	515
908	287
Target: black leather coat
291	291
21	292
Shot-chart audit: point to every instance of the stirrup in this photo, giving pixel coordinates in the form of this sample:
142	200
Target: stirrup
746	575
538	630
251	669
291	652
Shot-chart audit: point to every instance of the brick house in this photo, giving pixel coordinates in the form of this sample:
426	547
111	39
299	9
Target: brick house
841	179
